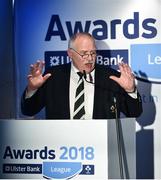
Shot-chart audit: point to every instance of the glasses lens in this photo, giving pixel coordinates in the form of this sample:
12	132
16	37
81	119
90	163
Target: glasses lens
85	56
93	54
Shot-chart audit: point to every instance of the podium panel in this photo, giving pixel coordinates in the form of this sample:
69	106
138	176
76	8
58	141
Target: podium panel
56	149
65	149
128	142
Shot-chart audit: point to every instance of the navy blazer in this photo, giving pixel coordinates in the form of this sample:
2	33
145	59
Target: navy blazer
54	96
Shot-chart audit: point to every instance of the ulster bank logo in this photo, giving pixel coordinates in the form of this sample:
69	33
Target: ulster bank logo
146	61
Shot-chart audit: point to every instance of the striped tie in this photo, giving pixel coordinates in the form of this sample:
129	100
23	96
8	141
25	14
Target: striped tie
79	108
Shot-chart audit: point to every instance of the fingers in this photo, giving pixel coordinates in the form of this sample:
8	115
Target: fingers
126	70
126	79
36	69
115	78
46	76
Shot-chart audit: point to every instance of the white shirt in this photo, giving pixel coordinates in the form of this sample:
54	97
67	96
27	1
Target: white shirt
89	92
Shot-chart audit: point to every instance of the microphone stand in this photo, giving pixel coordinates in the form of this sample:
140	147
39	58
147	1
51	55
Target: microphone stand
119	143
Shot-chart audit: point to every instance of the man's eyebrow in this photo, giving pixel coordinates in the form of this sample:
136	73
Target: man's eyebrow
84	51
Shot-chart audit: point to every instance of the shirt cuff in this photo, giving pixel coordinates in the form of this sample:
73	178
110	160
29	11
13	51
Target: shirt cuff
133	94
30	93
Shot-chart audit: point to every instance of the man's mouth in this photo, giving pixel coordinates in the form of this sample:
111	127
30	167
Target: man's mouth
89	62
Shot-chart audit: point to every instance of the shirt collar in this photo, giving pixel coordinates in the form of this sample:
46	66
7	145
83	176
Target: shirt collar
75	70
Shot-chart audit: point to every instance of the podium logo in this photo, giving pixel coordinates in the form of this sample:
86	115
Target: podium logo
88	169
61	170
44	153
146	61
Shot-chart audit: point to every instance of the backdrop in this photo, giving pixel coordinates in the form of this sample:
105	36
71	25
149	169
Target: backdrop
7	88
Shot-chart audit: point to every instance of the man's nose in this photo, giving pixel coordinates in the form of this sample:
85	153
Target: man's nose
90	57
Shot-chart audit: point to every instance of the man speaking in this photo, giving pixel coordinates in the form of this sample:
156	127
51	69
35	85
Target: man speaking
81	89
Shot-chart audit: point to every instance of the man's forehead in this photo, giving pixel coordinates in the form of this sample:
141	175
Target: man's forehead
84	40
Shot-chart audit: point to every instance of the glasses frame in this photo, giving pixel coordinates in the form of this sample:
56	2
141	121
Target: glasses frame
93	55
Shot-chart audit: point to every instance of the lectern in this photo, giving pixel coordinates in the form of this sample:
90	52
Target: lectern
67	149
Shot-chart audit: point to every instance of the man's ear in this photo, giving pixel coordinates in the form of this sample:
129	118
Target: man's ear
69	52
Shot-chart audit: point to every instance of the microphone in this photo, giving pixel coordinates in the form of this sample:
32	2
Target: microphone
118	136
84	74
115	107
85	77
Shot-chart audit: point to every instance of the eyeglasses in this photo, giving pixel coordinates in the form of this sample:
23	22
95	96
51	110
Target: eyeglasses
85	56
